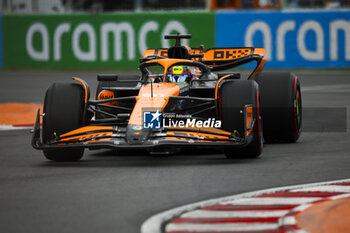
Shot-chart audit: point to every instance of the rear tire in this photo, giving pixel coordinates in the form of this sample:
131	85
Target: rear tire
233	97
63	108
281	106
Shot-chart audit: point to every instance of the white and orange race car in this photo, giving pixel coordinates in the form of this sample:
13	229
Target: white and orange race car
181	99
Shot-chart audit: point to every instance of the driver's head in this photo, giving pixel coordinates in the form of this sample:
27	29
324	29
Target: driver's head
179	74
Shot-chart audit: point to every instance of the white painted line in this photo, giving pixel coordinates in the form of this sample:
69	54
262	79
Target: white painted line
234	214
327	188
339	196
290	220
274	201
154	224
222	227
10	127
301	207
297	231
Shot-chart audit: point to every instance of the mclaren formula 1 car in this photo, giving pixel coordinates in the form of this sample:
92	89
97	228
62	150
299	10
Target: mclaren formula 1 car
184	97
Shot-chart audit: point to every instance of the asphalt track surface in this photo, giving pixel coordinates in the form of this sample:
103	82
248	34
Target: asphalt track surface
110	191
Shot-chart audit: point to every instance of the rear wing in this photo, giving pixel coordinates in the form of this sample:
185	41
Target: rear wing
211	55
217	58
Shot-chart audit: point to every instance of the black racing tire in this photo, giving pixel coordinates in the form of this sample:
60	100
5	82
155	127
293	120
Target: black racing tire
281	106
63	112
233	97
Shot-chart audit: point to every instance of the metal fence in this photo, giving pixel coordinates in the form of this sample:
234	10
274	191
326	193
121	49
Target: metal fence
32	6
68	6
327	4
99	6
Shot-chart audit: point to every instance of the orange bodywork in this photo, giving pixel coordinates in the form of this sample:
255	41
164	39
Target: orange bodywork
85	88
258	69
196	134
249	119
106	94
217	85
222	54
207	129
87	129
259	51
146	101
89	137
156	52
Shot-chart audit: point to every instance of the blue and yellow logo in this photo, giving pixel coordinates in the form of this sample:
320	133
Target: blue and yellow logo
152	120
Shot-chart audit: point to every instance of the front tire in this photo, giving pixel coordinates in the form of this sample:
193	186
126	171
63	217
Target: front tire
234	96
63	112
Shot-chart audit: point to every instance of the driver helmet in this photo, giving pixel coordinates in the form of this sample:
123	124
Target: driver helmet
179	74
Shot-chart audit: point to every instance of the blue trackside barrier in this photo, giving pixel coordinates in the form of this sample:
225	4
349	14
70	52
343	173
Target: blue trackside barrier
292	39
